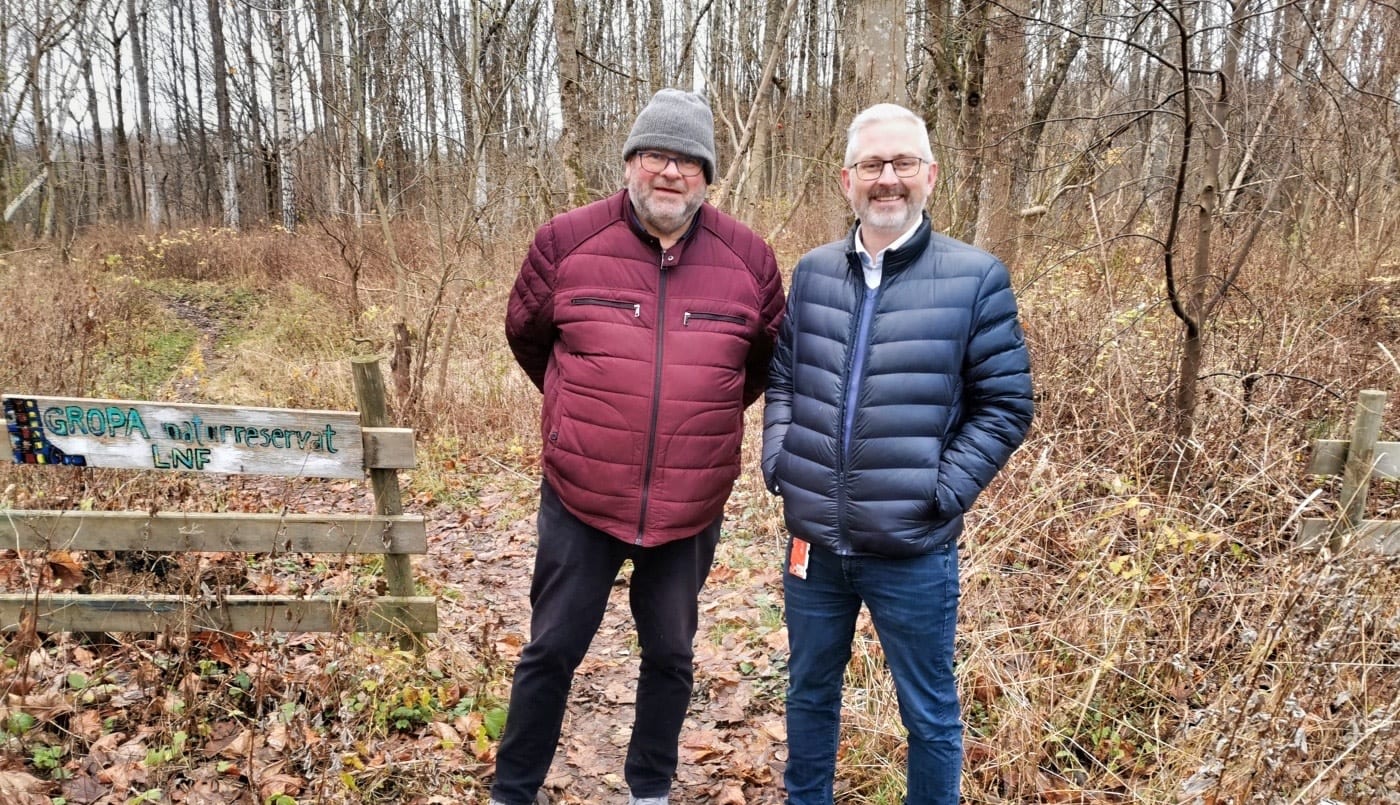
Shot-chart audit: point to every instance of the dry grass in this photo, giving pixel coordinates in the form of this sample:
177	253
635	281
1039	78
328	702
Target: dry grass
1126	640
1122	639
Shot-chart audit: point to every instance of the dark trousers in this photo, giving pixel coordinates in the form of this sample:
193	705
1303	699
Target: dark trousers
575	567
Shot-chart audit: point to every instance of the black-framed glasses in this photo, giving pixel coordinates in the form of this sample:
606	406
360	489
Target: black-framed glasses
904	167
653	162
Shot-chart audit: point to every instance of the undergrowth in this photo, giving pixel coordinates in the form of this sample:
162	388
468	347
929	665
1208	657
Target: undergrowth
1123	637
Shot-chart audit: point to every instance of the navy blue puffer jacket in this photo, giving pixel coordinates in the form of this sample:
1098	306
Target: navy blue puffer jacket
942	395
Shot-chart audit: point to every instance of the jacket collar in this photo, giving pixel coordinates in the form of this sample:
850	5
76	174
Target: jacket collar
895	259
629	212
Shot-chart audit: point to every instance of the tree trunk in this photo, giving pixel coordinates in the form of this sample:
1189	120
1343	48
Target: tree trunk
51	206
49	29
997	221
957	47
1190	303
655	34
228	157
461	43
571	101
121	144
148	149
876	63
328	47
102	193
363	195
207	169
263	175
282	97
775	49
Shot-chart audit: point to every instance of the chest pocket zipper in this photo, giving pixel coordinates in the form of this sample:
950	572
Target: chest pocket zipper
739	320
635	307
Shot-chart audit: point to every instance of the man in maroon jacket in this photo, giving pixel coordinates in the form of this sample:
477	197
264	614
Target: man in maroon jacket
647	319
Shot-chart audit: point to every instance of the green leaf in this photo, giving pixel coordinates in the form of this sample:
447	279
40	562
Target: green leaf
19	723
495	722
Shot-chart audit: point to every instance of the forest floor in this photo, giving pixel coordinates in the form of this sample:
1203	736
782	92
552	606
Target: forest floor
731	745
1118	641
478	566
156	726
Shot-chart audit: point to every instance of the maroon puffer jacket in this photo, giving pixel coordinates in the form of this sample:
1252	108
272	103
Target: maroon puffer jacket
646	360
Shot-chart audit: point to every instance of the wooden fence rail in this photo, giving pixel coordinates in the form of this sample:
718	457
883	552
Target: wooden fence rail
1359	461
171	437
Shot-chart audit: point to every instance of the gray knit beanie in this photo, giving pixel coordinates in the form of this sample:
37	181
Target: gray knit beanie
676	121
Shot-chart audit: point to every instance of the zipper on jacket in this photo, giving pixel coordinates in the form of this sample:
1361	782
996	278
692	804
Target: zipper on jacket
848	409
655	400
856	374
695	314
635	307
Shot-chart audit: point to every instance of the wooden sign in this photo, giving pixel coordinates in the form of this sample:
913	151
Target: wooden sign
196	438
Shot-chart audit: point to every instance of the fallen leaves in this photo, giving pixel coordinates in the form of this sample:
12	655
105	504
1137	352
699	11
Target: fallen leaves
18	788
292	715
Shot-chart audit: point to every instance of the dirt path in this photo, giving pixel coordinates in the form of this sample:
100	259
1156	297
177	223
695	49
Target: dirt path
479	564
732	742
203	360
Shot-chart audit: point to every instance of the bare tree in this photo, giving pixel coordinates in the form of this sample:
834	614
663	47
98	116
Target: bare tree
997	222
571	100
654	36
876	64
228	156
47	30
282	94
476	114
331	97
955	44
774	46
121	144
1197	293
148	148
101	192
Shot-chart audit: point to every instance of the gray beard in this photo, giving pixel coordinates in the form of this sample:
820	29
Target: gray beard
890	221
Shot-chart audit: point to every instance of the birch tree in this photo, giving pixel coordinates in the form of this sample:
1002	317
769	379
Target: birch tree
282	94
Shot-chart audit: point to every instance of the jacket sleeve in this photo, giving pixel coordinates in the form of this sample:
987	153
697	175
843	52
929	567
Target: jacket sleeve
771	306
998	398
777	404
530	329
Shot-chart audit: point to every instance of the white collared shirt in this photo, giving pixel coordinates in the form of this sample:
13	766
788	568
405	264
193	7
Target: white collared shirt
874	266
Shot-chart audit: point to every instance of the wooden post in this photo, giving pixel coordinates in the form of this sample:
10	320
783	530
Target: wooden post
1356	476
370	398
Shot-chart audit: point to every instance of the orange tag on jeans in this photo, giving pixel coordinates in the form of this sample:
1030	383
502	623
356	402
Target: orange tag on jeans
797	562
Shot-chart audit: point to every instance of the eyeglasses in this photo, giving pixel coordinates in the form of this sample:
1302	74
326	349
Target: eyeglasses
652	162
904	167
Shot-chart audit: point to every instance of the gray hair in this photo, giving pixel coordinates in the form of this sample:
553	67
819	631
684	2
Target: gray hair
887	113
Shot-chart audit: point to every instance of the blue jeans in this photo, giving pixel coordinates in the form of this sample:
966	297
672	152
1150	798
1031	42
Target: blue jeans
914	605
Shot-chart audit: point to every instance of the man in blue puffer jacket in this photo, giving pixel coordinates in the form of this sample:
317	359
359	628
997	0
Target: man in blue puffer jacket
899	387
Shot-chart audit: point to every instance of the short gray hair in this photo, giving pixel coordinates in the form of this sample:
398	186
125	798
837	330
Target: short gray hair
887	113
